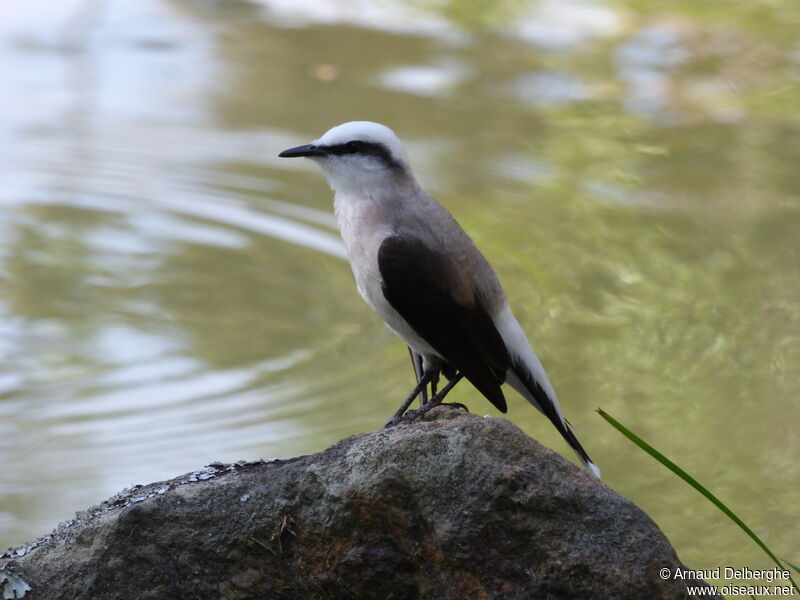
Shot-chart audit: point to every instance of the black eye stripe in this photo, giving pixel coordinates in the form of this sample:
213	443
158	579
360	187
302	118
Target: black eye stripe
374	149
354	146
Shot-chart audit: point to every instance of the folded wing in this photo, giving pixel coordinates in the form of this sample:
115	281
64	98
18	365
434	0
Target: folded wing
424	286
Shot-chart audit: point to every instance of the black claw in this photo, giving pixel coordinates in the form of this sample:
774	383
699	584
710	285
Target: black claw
410	415
393	421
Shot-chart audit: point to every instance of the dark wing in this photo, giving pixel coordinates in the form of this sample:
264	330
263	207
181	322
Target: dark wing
417	283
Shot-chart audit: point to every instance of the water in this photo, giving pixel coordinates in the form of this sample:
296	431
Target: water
172	293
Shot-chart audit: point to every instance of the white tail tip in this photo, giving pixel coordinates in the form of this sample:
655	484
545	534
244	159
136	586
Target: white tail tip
594	469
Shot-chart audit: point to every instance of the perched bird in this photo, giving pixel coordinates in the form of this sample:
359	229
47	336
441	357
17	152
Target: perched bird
418	269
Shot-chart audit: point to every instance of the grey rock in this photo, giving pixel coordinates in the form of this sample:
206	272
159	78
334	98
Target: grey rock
451	506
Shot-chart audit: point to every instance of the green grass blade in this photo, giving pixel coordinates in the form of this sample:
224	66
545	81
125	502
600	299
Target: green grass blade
692	482
795	567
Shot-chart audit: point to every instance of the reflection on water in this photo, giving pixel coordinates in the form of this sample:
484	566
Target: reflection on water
173	294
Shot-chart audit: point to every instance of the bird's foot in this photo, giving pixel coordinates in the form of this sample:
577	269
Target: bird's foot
401	414
412	415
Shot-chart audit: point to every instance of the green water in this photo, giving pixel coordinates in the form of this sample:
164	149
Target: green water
172	293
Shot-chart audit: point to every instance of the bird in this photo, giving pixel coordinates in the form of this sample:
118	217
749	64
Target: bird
418	269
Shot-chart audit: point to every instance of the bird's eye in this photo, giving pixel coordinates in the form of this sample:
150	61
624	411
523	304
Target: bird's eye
353	146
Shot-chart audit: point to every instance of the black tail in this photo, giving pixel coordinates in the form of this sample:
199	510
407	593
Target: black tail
542	401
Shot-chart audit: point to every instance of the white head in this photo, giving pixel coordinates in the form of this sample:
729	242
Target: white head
358	156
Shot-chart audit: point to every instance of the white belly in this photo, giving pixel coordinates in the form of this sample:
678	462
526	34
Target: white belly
362	242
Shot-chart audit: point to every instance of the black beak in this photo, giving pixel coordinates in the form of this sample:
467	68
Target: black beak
307	150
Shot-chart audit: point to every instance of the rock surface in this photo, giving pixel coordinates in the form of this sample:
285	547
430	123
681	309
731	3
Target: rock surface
455	506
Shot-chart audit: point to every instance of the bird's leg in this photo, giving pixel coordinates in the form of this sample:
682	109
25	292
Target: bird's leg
437	398
435	401
416	361
434	385
423	382
432	365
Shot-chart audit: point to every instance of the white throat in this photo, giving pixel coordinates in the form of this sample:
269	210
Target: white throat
366	178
